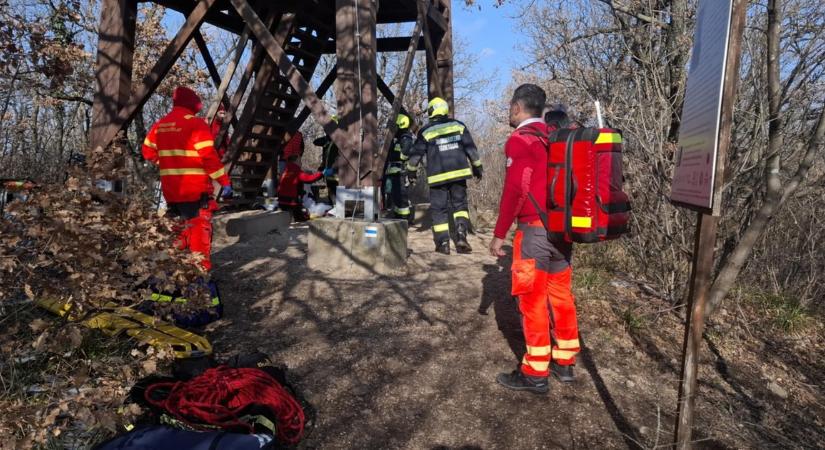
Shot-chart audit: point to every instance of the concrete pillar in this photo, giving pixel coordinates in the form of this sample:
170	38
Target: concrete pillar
347	247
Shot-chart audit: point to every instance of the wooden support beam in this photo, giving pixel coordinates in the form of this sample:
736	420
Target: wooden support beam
113	72
356	92
440	63
434	88
152	80
228	74
437	18
296	80
385	90
223	21
213	72
326	83
397	102
444	57
262	80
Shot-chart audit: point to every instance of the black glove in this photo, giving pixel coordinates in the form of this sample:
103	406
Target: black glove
478	172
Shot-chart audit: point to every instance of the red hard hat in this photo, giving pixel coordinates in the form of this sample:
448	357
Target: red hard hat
187	98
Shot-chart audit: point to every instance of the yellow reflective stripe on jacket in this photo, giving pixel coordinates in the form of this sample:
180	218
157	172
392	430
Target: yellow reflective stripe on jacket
463	214
204	144
442	130
404	212
609	138
394	170
447	176
411	168
149	143
198	171
441	227
218	173
477	163
190	153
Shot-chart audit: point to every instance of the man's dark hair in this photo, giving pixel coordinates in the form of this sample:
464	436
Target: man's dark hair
558	118
531	97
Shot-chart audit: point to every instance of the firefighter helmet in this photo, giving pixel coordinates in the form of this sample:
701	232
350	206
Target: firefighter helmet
437	107
402	121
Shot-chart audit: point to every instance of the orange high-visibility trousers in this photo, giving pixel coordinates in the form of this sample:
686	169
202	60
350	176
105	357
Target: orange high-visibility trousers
546	304
195	234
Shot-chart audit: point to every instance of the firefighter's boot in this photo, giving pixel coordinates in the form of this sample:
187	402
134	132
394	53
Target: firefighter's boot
563	373
461	244
443	247
517	381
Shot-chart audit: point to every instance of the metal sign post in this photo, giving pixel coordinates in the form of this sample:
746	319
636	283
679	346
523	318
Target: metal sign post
707	121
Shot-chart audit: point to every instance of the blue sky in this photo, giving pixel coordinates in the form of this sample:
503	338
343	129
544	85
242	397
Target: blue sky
491	33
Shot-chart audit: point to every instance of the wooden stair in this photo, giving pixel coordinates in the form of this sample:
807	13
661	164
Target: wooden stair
274	114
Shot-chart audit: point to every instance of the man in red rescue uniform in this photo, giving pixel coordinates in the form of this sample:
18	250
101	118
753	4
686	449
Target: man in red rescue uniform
541	269
291	184
182	145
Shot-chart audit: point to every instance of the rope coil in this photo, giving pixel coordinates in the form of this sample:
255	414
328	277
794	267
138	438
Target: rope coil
221	395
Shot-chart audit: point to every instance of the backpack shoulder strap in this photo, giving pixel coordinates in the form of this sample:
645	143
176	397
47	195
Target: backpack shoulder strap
530	131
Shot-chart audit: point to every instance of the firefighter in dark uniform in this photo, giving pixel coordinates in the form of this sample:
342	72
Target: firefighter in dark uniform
329	156
400	148
452	158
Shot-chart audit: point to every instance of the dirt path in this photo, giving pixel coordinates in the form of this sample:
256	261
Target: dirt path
410	361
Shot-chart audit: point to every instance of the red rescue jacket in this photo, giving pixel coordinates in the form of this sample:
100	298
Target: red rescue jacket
290	187
526	173
183	146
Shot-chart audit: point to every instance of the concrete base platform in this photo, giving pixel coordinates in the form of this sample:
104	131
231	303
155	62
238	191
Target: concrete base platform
361	248
241	226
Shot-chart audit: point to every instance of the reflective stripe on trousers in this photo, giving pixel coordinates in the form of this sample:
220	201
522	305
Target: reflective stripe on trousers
446	200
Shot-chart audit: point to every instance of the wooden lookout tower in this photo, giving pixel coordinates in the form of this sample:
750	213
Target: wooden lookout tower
289	38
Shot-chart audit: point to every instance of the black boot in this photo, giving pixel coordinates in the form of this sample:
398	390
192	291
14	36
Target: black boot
443	247
563	373
461	244
517	381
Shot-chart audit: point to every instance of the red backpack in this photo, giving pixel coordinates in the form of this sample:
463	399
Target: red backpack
585	201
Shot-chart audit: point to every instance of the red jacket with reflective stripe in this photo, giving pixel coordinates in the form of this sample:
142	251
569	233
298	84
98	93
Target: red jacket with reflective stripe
526	174
183	146
290	187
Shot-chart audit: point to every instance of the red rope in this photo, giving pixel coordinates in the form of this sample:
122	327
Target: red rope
220	395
